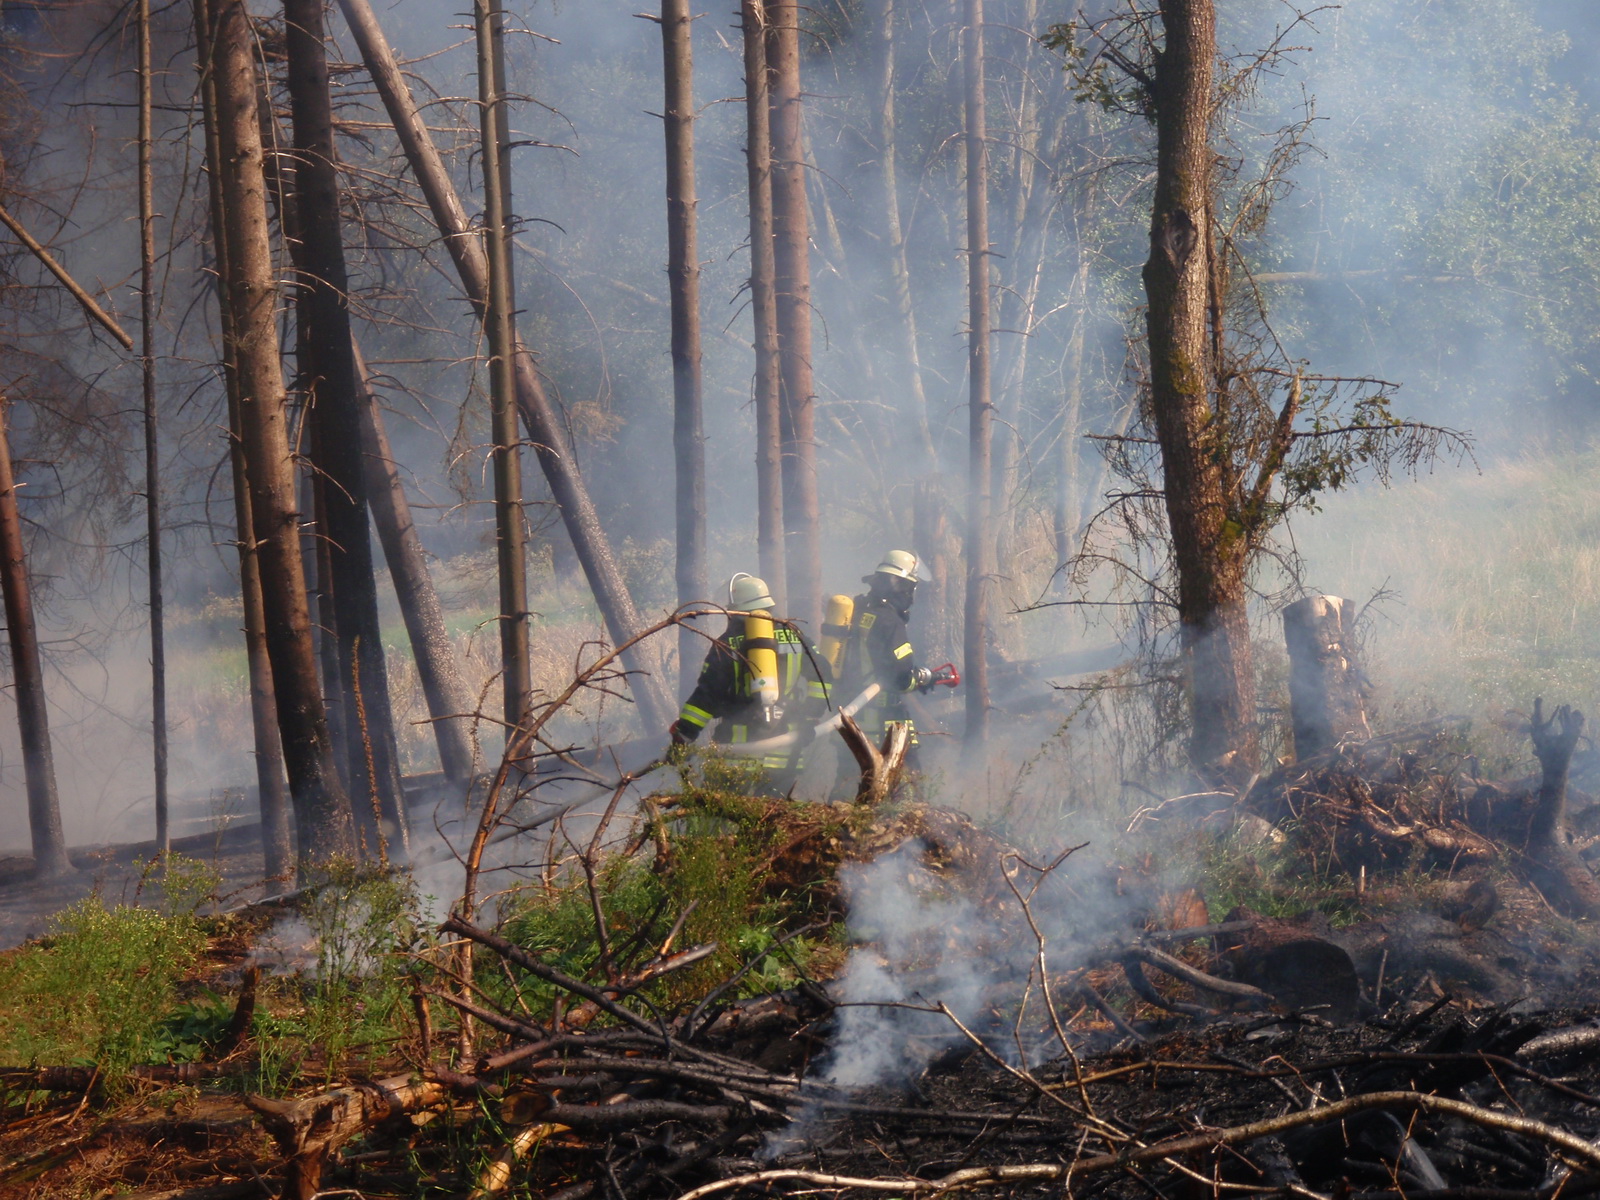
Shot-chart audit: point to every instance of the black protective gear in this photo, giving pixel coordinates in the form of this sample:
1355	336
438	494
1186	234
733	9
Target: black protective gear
722	693
879	651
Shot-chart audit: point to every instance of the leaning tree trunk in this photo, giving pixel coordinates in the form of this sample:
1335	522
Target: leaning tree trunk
792	292
251	295
448	698
683	280
1208	549
538	415
373	762
271	788
500	331
27	674
763	305
980	403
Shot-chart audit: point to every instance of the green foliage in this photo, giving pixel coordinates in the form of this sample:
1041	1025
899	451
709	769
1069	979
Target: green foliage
717	870
102	989
366	923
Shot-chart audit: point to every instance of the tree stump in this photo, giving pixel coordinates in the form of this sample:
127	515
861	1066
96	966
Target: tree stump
1326	684
880	767
1549	861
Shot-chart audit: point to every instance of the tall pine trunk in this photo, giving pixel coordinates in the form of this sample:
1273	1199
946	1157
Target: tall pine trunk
792	292
980	403
152	465
373	757
683	280
763	304
546	432
446	693
250	291
500	333
1208	549
27	675
272	791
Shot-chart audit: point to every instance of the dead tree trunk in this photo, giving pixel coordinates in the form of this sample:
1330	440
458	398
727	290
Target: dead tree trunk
1208	549
889	186
373	767
271	788
792	292
152	464
980	402
500	332
1326	703
538	416
251	294
27	673
683	279
1549	860
763	304
444	690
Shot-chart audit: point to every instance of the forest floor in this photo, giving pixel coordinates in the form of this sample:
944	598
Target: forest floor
721	987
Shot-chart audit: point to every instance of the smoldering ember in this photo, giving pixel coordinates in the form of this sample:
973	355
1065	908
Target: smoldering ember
780	599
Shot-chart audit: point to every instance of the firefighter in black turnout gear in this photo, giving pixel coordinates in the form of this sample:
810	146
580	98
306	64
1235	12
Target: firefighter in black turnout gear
878	649
759	681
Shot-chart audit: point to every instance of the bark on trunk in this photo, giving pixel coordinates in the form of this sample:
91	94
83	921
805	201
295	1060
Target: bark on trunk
1209	549
544	429
500	332
980	404
792	292
272	791
763	304
683	280
1549	859
251	293
373	760
152	472
438	667
1325	680
27	674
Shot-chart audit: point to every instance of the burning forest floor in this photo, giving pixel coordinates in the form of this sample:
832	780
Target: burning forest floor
1363	975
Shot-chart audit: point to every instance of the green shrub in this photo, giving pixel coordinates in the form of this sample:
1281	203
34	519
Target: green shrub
99	990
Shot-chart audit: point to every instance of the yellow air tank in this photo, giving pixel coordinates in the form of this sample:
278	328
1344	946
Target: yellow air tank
761	655
835	628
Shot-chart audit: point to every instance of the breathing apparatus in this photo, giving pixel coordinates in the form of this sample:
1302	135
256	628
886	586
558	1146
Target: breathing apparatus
749	595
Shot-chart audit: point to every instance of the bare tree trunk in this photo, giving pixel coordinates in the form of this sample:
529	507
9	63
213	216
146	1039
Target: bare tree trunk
538	415
792	292
500	332
251	293
437	666
271	789
373	771
1068	503
683	276
1208	550
27	673
763	304
889	183
152	464
980	404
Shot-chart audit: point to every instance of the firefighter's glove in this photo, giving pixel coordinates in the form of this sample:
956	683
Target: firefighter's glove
921	678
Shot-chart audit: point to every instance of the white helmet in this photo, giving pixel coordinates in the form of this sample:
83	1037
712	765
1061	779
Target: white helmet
746	593
899	563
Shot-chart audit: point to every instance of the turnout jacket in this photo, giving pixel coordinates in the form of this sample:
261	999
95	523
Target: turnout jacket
722	693
879	651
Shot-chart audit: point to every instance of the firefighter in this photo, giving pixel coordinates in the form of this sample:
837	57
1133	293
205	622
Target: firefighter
759	680
878	649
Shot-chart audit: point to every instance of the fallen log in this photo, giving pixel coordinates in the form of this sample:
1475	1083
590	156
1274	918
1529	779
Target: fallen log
309	1130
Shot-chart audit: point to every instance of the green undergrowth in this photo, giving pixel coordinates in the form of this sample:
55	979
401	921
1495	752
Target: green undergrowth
715	859
103	987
